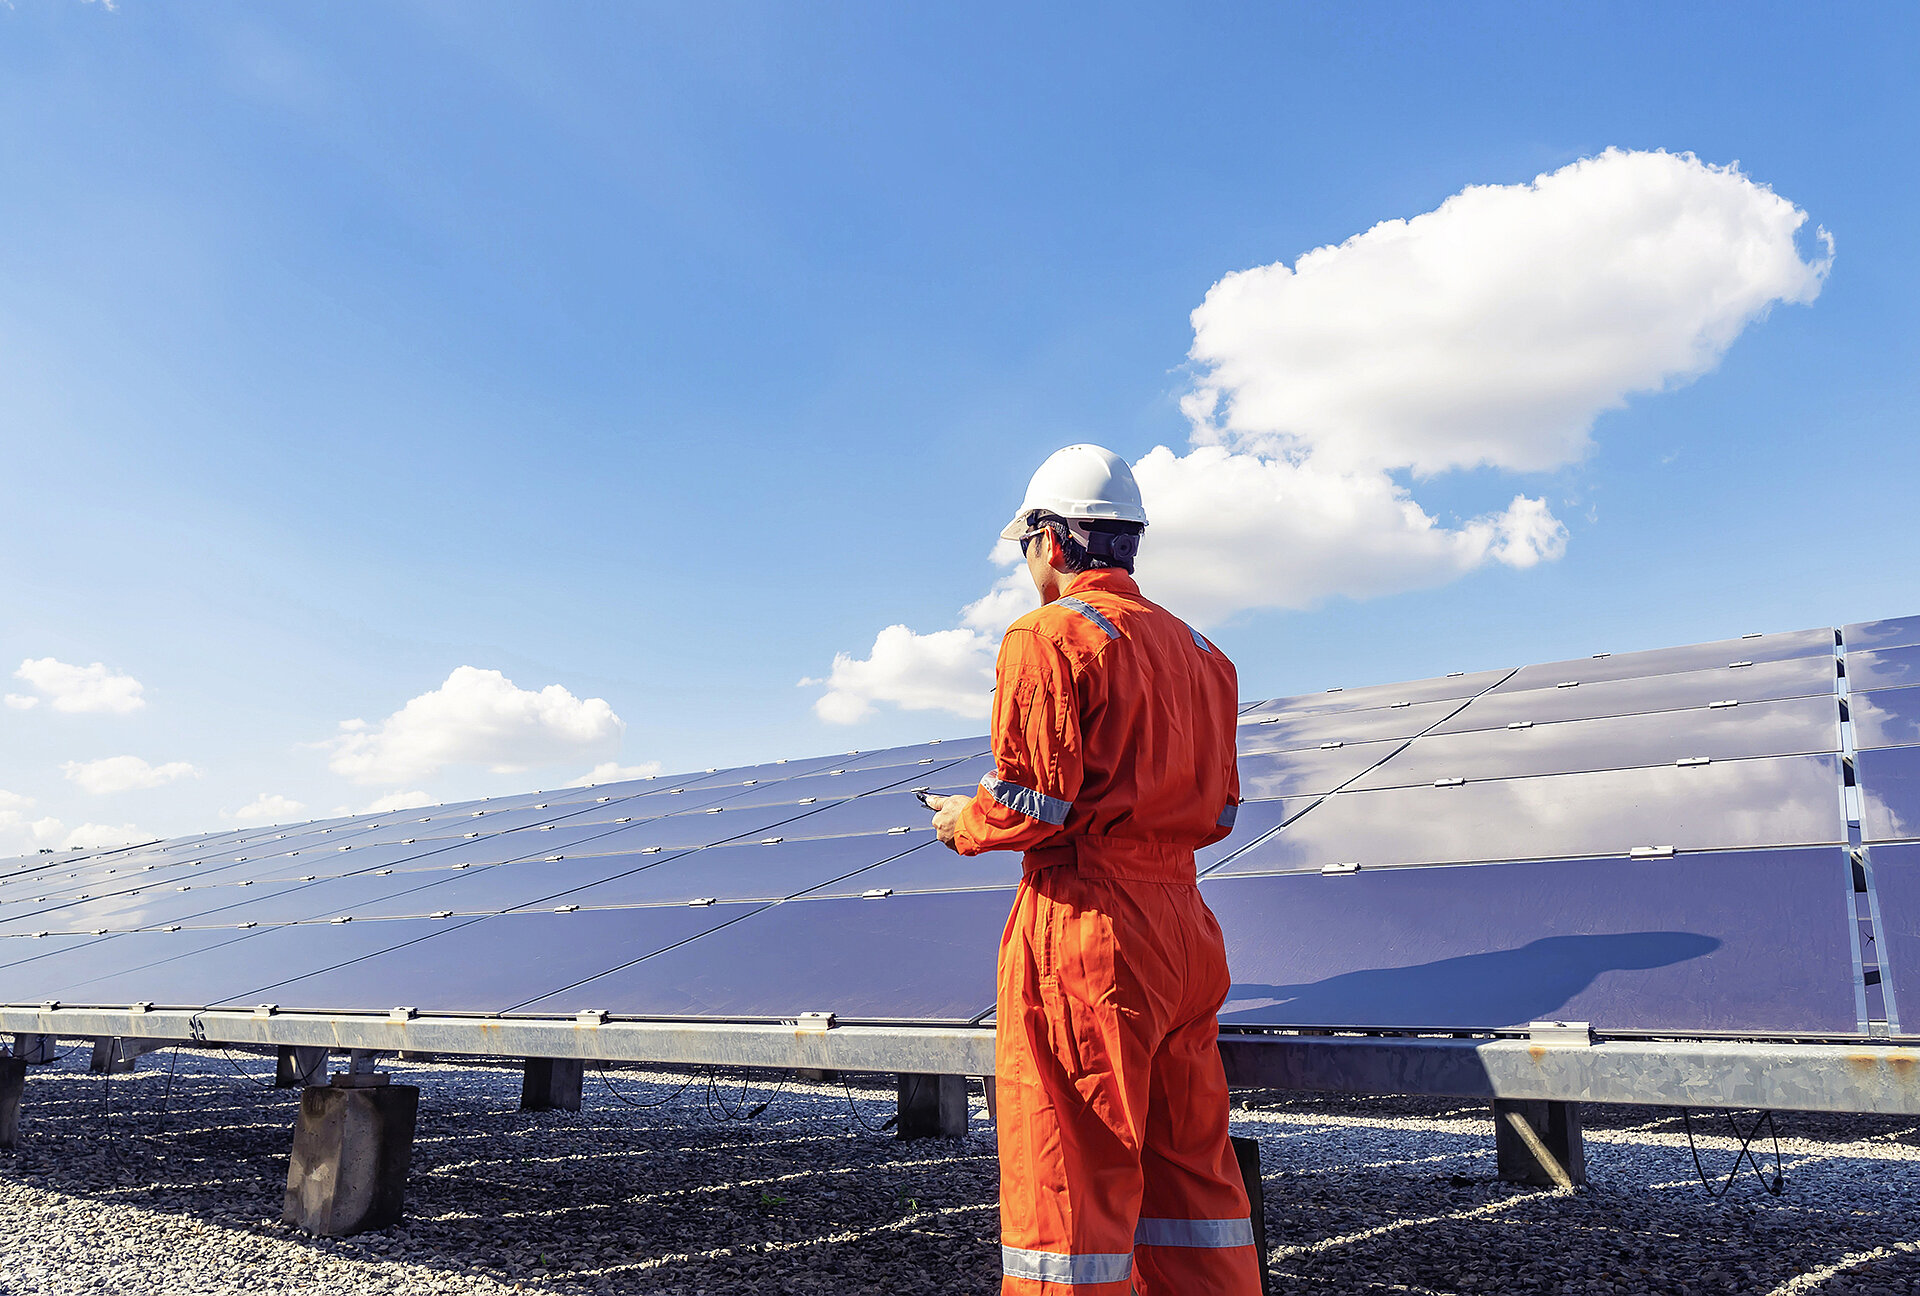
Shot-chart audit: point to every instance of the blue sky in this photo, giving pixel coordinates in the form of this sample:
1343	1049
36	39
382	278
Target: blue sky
662	353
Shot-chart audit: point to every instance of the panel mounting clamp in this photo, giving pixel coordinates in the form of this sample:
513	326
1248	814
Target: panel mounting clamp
591	1016
265	1010
1576	1034
1651	852
815	1023
402	1014
1340	870
1449	782
1688	762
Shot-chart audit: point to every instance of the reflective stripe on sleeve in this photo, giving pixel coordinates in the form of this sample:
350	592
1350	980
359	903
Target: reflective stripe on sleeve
1194	1233
1026	801
1227	815
1086	610
1051	1266
1199	642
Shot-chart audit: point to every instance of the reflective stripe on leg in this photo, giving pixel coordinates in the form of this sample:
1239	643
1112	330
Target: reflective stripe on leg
1194	1232
1075	1270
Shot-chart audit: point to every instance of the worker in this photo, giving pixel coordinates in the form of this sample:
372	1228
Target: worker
1113	745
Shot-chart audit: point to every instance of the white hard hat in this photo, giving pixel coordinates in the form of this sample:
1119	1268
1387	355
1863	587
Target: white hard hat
1081	482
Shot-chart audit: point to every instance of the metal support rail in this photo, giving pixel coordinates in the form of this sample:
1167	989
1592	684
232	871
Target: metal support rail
1696	1073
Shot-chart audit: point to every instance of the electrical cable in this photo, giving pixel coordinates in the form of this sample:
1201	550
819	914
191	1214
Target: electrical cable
1776	1185
634	1102
890	1121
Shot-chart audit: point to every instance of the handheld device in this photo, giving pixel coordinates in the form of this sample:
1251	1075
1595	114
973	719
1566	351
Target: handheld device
926	797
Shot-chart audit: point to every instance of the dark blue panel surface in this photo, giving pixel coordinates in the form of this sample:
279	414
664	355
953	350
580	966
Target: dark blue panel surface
1689	945
101	959
1883	668
1889	779
1896	632
1667	661
1887	718
746	872
928	867
490	964
224	970
1780	801
1763	681
1309	771
1281	732
496	888
1896	882
930	753
876	813
1414	692
1788	727
926	957
194	906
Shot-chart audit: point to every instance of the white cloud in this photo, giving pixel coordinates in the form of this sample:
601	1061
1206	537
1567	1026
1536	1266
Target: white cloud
77	688
90	836
266	808
1496	328
124	773
477	717
13	802
20	835
1490	332
615	772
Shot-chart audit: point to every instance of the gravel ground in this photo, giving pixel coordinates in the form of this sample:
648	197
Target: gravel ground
144	1182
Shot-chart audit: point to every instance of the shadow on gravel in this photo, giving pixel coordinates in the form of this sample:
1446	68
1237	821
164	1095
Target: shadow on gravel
679	1198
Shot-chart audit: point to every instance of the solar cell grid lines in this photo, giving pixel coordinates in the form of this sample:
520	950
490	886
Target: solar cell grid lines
1886	718
1896	632
1771	801
1590	699
1789	726
1278	731
1749	650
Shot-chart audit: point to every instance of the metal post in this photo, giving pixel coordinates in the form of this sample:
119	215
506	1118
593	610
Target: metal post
1538	1142
13	1086
1247	1152
298	1067
552	1084
36	1050
930	1106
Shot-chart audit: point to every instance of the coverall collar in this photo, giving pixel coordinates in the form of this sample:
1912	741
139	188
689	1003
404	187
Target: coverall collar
1110	580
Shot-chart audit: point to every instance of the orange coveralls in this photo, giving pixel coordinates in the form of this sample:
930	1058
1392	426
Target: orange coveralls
1113	742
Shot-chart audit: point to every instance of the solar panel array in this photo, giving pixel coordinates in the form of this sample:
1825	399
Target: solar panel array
1653	842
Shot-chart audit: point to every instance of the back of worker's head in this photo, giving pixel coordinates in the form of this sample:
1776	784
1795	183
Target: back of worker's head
1086	496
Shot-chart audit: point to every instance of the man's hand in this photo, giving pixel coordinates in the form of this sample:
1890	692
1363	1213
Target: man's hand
946	816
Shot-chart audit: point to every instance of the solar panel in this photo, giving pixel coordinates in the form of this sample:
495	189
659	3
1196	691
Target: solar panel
1729	942
1413	693
1592	700
1889	779
1602	667
1403	860
487	965
1888	718
1264	732
1778	801
1883	668
1894	633
1785	727
926	958
1896	883
1309	770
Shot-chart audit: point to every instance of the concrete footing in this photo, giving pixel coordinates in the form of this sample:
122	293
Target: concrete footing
351	1149
552	1084
299	1067
36	1050
930	1106
1247	1152
13	1085
1539	1143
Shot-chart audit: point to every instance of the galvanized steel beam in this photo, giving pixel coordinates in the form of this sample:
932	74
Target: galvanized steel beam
1696	1073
